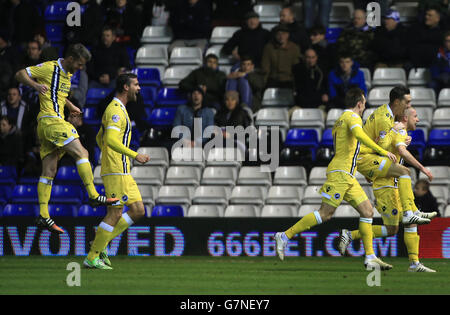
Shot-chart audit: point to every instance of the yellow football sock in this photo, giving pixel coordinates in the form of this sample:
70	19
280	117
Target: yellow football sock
406	193
365	229
85	172
377	231
305	223
44	190
124	222
102	238
411	240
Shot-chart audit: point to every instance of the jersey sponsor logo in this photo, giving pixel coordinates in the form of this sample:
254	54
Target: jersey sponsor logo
115	118
64	88
337	196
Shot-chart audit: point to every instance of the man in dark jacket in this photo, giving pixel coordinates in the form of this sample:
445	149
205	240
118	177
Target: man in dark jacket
249	41
210	78
90	30
440	68
11	144
297	33
424	199
126	21
16	109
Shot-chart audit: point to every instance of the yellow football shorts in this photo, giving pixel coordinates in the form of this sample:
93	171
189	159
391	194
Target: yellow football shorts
53	134
123	187
388	205
373	166
342	186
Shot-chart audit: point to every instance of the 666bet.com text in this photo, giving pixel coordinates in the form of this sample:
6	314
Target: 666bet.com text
240	304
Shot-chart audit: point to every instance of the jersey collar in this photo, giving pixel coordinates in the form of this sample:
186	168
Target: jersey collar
60	65
390	110
119	101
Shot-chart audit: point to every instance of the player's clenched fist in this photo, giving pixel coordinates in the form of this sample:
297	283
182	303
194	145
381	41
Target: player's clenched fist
142	158
41	88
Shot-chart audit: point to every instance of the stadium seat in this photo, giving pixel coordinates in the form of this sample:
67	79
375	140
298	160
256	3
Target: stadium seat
333	115
68	174
224	157
305	209
417	142
148	76
5	194
54	33
183	175
367	77
97	177
224	60
62	210
308	118
95	95
8	174
149	94
24	194
152	55
56	12
252	175
290	175
219	175
419	76
408	11
441	175
278	97
446	213
318	175
159	156
183	156
221	34
425	115
157	34
88	211
253	195
389	77
211	211
270	211
148	175
186	56
90	116
67	194
439	137
311	195
174	74
444	98
421	96
175	195
23	210
379	96
242	211
268	13
167	211
441	118
346	211
332	34
305	138
284	195
162	118
440	192
217	195
148	193
341	13
168	97
327	139
272	117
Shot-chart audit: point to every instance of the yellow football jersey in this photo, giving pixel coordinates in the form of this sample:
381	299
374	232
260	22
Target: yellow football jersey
390	142
115	117
378	124
346	147
53	75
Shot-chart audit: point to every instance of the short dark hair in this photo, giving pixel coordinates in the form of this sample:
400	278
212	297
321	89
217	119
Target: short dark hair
246	58
398	93
353	96
109	28
424	182
34	41
4	117
124	79
318	29
78	51
345	55
214	56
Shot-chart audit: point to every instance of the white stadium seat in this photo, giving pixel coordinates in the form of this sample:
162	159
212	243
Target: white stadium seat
252	175
268	12
158	156
408	11
333	115
441	175
308	118
219	175
186	56
389	77
318	175
419	76
225	157
183	156
152	55
148	193
421	96
379	96
305	209
183	175
253	195
444	98
425	115
311	195
97	177
346	211
174	74
217	195
221	34
156	34
341	13
290	175
272	117
278	97
367	77
175	195
148	175
212	211
440	192
446	213
242	211
441	118
269	211
285	195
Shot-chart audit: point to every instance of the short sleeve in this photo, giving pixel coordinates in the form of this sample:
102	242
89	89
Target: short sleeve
38	71
114	119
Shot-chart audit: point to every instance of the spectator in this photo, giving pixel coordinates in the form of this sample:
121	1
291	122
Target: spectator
319	43
297	33
186	114
249	40
346	76
233	113
191	24
362	5
8	63
48	52
90	30
126	21
425	39
357	39
11	146
310	82
424	199
231	13
108	59
156	12
309	12
79	87
440	68
249	82
389	42
15	109
211	80
279	56
424	5
33	54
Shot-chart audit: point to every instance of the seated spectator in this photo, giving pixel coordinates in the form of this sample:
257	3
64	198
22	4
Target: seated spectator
33	54
211	80
309	12
345	76
310	82
424	199
357	39
233	113
297	33
249	82
390	43
11	146
250	40
48	52
362	5
440	68
126	21
8	63
90	30
424	5
425	39
278	57
108	59
186	114
15	109
191	24
79	87
324	51
230	13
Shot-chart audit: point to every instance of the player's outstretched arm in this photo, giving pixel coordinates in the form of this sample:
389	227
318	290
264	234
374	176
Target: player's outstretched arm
410	159
23	77
362	137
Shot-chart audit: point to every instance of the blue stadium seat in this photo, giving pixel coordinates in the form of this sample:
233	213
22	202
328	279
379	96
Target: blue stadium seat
62	210
125	209
303	138
327	138
100	189
168	97
439	138
88	211
90	116
66	194
417	141
332	34
24	194
149	95
148	76
26	180
68	174
167	211
24	210
131	55
95	95
5	193
8	174
162	118
54	32
57	11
